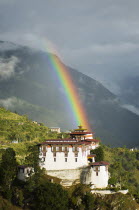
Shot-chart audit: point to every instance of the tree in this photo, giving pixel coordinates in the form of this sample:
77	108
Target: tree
17	196
33	158
33	161
88	201
79	197
112	181
8	172
50	196
99	154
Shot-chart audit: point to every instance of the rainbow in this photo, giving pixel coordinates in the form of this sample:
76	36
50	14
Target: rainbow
69	87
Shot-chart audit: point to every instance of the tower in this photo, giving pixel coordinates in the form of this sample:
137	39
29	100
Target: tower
81	134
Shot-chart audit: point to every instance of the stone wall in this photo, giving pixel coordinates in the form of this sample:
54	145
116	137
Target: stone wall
69	176
84	175
107	192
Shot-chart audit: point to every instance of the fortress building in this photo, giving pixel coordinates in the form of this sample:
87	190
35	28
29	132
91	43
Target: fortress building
71	161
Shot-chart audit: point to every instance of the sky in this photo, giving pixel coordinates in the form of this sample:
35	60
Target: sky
97	37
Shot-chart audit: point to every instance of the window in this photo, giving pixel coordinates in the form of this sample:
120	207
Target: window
75	149
66	154
44	148
76	154
43	159
54	149
65	159
54	159
44	153
97	168
90	160
75	159
97	173
54	154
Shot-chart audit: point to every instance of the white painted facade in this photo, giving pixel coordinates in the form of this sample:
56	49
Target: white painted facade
64	160
24	172
59	157
98	176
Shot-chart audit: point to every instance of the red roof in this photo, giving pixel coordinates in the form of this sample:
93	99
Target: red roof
64	141
95	140
23	166
81	133
84	142
60	139
68	141
91	155
101	163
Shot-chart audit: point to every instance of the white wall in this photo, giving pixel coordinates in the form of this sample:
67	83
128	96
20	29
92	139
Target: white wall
24	173
107	192
60	164
100	181
84	175
69	177
89	136
71	174
95	145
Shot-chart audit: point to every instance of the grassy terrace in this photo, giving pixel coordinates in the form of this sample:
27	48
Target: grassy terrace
14	127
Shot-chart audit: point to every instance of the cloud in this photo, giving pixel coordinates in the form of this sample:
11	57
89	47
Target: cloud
114	48
7	1
105	50
8	103
97	37
4	46
131	108
7	67
111	101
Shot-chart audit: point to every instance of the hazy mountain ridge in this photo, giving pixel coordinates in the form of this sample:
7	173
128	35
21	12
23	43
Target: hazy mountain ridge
33	81
130	91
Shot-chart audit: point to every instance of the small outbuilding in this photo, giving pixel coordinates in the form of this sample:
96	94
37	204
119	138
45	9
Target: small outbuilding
24	172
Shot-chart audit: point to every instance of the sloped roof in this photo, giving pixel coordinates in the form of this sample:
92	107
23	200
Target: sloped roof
63	142
93	155
81	133
23	166
93	140
101	163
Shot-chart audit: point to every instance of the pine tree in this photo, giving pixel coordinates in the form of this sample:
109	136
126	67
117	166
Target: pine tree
8	172
99	154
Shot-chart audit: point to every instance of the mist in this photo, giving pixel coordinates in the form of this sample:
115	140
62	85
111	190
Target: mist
98	38
7	67
8	103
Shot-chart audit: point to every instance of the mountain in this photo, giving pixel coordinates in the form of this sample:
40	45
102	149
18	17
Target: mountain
29	85
129	93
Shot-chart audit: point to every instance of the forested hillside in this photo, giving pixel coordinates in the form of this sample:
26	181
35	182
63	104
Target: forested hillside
18	138
38	191
19	133
124	168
